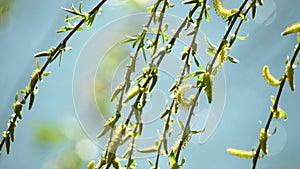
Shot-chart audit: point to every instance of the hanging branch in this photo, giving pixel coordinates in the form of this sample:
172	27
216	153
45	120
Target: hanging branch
179	100
276	112
149	76
205	81
32	89
123	87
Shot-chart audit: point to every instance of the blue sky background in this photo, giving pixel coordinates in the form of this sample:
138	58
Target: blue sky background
30	28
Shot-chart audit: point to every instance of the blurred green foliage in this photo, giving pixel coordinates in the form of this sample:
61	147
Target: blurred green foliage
5	7
48	133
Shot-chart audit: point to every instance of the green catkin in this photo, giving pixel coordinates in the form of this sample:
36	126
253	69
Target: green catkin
269	78
289	72
208	81
34	78
263	138
132	93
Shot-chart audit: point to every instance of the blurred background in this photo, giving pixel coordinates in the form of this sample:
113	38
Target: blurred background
53	134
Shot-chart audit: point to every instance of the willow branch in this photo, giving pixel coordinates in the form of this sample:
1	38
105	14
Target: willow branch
275	106
185	132
53	56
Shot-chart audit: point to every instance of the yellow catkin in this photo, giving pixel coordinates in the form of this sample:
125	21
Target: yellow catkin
184	102
91	164
221	10
241	153
269	78
291	29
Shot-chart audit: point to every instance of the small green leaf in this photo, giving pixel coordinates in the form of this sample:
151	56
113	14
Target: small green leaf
129	39
182	161
128	153
167	111
17	96
165	36
209	43
110	124
207	17
65	29
200	79
192	75
180	124
71	18
232	59
198	64
150	9
212	49
41	54
197	131
49	52
46	73
80	5
279	114
150	162
191	33
117	90
155	30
